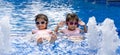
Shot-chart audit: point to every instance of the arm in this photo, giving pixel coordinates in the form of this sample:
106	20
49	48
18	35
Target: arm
39	40
53	37
83	24
56	29
59	25
85	28
34	31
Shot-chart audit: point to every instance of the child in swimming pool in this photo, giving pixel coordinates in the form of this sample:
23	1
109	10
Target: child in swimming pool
42	33
72	31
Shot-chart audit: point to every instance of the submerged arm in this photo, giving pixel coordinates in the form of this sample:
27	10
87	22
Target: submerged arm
53	37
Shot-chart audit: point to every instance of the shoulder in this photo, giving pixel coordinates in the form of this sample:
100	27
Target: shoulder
48	30
78	29
34	31
63	30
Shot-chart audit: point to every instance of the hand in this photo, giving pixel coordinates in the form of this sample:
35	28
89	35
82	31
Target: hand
81	23
61	24
53	38
39	40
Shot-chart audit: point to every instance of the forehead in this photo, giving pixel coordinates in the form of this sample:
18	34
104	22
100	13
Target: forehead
40	19
72	20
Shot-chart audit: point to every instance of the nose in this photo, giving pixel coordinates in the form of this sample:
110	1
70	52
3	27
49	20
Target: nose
38	24
73	24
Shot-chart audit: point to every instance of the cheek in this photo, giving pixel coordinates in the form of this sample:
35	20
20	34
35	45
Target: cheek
45	25
75	26
70	26
37	25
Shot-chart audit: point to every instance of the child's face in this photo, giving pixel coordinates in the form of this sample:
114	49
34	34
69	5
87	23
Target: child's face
41	24
72	25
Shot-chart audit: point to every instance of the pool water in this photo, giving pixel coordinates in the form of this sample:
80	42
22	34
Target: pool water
17	21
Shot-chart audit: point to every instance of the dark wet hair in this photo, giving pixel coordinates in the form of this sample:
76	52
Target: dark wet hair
72	16
41	16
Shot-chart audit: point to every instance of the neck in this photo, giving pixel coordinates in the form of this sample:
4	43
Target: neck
41	29
71	29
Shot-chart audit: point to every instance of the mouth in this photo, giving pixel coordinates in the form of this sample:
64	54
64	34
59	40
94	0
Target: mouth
72	29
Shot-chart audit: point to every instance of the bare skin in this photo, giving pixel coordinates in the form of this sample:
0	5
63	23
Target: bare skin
61	24
42	27
72	28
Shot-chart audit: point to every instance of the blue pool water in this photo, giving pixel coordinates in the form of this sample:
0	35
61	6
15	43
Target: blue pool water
17	21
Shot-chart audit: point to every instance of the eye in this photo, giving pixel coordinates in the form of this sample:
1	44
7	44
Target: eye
76	23
42	22
37	23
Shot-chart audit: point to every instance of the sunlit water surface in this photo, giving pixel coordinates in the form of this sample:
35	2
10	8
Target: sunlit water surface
17	21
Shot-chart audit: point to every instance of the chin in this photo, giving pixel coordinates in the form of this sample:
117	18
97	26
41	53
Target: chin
71	29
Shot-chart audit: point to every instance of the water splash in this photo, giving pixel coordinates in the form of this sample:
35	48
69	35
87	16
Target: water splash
93	33
55	14
98	41
110	39
5	15
1	41
102	37
96	36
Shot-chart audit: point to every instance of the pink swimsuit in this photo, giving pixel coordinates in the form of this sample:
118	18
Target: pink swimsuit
71	33
42	34
38	31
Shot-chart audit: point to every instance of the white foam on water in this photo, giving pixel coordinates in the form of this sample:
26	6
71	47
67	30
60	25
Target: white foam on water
1	41
55	13
5	15
101	37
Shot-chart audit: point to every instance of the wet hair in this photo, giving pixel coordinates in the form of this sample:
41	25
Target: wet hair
72	16
41	16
